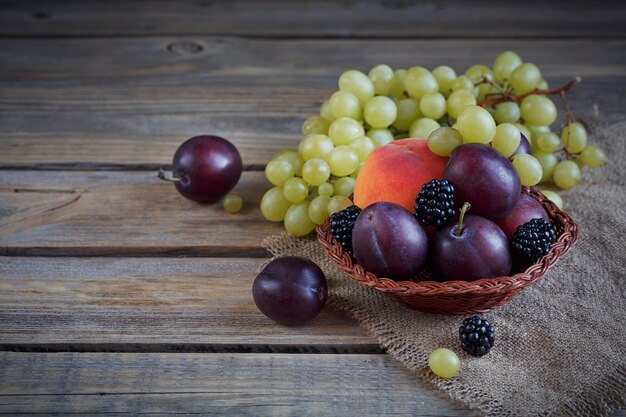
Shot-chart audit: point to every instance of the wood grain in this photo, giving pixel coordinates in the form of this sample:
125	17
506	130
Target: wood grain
160	304
118	103
338	18
215	384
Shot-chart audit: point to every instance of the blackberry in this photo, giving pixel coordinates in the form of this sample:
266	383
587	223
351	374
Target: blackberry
533	240
477	336
434	204
341	225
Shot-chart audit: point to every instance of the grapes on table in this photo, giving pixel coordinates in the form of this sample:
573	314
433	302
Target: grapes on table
506	106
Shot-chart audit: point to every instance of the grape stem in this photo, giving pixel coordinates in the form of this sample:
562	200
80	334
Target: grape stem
161	175
507	96
458	230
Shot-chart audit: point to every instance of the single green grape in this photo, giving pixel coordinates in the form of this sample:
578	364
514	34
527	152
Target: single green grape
297	220
358	84
433	105
315	146
295	190
548	162
338	203
443	140
525	78
543	85
344	186
459	100
524	130
528	169
461	83
444	76
554	197
279	171
574	137
408	112
318	209
476	125
444	363
504	65
274	205
423	127
508	112
232	203
343	160
316	171
362	146
419	81
538	110
325	189
547	142
344	130
380	137
380	112
326	112
315	124
566	174
592	156
345	104
294	158
507	139
397	84
382	78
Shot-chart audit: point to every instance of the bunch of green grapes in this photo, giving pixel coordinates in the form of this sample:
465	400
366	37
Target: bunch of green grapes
499	106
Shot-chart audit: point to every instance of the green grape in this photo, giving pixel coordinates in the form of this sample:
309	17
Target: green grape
419	81
554	197
382	77
433	105
444	76
357	83
315	171
326	112
362	146
408	112
508	112
461	83
504	65
547	142
444	363
325	189
295	190
278	171
344	186
459	100
476	73
525	78
297	220
528	169
357	170
343	160
535	131
380	137
316	146
566	174
318	209
232	203
548	162
442	141
538	110
423	127
274	205
345	104
543	85
507	139
476	125
524	130
315	124
294	158
592	156
380	112
344	130
338	203
397	84
574	137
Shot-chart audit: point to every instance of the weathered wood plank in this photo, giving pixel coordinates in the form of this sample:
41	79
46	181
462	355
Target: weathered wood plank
215	384
283	18
113	102
156	304
124	213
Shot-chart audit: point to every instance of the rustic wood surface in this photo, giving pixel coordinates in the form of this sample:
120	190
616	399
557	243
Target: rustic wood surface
119	297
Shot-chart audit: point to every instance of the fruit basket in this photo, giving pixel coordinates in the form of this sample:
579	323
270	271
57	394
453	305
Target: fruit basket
459	297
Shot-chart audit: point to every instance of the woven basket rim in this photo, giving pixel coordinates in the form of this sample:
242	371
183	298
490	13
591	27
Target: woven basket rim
566	238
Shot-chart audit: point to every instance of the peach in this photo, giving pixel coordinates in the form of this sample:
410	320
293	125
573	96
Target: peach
395	172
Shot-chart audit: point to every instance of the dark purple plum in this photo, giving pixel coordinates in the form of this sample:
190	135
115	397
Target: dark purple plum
290	290
526	209
484	178
389	242
479	249
524	146
206	168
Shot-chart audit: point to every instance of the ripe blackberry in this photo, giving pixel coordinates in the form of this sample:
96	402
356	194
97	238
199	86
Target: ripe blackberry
434	204
477	336
341	225
533	240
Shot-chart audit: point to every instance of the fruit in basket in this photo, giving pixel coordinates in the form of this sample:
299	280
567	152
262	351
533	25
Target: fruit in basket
290	290
389	242
444	363
484	178
395	173
477	336
434	204
533	240
342	224
205	168
526	209
471	249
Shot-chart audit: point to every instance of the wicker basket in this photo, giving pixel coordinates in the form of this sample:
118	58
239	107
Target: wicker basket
459	297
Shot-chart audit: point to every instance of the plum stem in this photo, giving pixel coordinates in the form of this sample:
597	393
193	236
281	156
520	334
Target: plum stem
161	175
458	231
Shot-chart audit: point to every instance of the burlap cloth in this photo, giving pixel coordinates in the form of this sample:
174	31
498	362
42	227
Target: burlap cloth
560	344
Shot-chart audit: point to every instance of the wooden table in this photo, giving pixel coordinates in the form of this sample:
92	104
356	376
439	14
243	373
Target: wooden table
117	296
